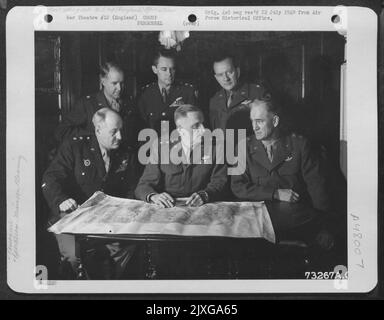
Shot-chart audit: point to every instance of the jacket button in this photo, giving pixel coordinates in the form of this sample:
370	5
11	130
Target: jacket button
83	173
163	114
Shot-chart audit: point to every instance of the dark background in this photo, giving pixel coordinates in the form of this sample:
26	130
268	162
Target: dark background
82	86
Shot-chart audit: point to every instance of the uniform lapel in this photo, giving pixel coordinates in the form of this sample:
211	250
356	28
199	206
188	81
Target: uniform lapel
177	143
158	97
239	95
173	94
98	159
222	97
258	153
202	154
101	100
281	152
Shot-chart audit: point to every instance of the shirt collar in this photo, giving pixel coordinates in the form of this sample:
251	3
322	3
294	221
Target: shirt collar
110	100
103	150
270	143
161	88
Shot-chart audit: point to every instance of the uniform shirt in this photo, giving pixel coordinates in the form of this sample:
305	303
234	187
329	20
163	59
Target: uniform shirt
270	147
153	110
294	166
236	115
105	155
78	171
78	122
182	180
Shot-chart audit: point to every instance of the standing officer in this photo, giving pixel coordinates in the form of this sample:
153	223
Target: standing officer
160	99
228	108
79	121
282	169
87	164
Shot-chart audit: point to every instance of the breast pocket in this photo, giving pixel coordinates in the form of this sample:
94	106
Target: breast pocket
289	168
260	176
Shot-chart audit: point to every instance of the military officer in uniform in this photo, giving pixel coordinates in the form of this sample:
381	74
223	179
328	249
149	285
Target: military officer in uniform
228	108
79	121
160	99
283	170
202	182
87	164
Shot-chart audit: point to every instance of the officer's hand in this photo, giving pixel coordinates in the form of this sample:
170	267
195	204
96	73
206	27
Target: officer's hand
68	206
163	200
195	200
246	102
287	195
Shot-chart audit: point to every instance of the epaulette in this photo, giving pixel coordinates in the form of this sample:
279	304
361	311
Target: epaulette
298	136
147	86
188	84
81	138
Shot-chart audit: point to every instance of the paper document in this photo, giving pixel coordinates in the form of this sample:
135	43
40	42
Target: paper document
103	214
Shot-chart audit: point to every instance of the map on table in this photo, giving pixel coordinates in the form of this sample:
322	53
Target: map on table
103	214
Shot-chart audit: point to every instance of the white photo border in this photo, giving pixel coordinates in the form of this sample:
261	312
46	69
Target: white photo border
360	26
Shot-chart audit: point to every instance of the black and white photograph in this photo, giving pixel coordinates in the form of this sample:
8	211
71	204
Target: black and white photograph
284	88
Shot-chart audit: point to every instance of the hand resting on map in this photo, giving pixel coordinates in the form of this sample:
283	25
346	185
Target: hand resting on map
68	206
163	200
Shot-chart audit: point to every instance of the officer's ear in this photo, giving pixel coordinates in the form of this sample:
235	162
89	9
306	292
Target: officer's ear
238	71
154	69
276	120
97	129
102	82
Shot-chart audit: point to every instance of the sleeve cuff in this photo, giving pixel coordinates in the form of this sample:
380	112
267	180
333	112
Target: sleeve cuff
204	195
147	198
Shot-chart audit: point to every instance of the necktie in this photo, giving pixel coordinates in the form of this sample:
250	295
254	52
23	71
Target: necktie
230	98
270	152
164	95
115	105
107	160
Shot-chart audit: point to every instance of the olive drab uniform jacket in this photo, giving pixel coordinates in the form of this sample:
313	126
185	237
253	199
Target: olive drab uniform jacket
78	171
184	179
294	166
154	108
236	115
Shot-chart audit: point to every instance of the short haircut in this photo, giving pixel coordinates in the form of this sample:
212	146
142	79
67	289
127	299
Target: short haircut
100	116
183	110
221	56
166	53
271	104
106	67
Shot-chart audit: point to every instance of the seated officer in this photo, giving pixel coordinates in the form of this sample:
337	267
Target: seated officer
201	182
283	170
87	164
79	121
160	99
